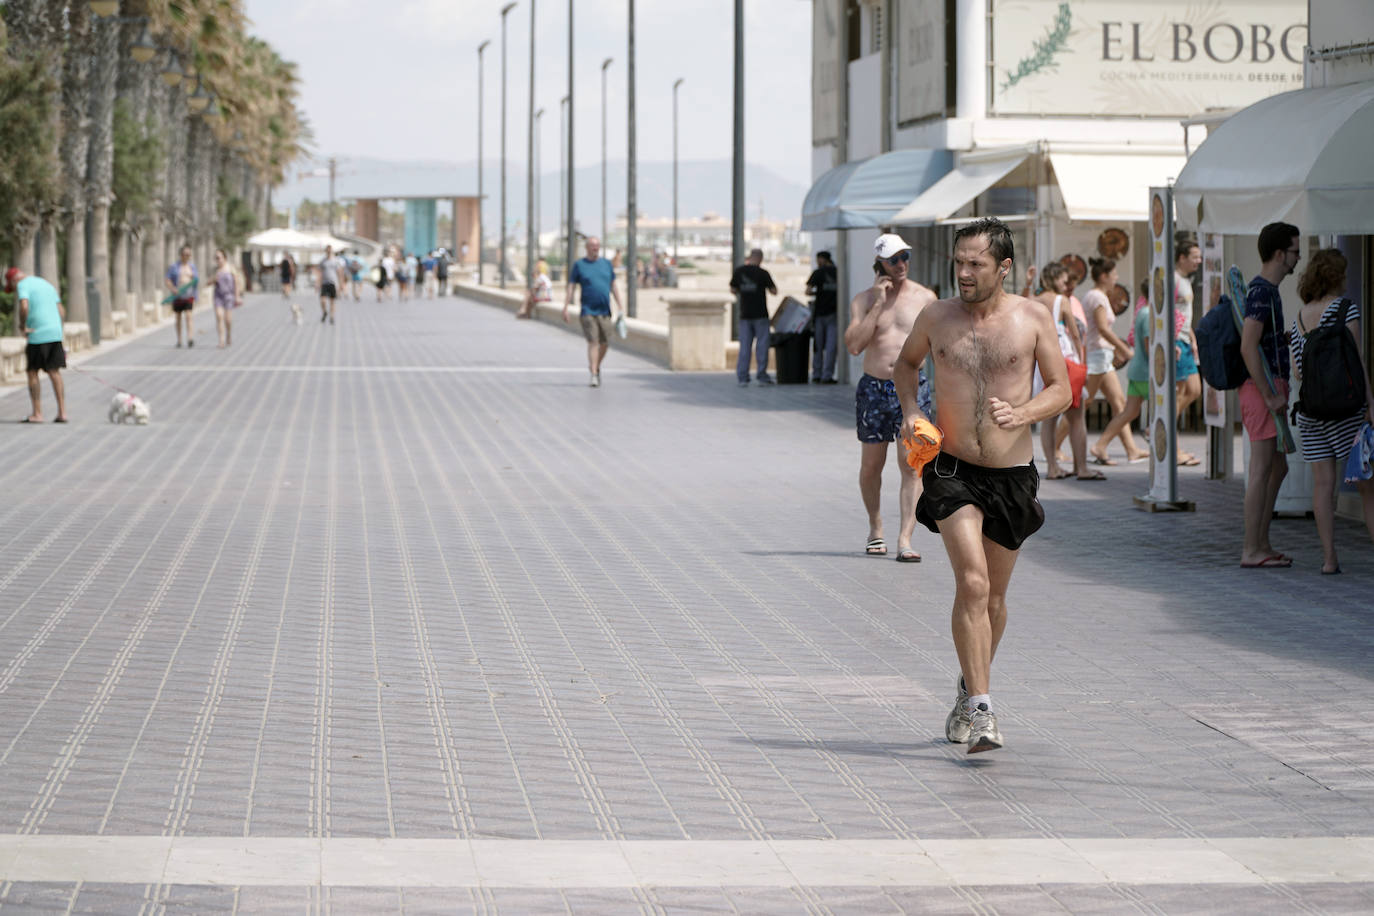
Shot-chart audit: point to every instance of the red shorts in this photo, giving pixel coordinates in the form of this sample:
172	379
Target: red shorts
1254	415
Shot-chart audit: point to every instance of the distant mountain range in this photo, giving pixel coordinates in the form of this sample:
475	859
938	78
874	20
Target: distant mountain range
703	187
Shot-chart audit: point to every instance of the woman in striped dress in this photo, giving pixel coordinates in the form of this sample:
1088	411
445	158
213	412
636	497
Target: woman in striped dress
1326	443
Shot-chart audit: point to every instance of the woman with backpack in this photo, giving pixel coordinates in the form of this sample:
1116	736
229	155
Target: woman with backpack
1329	416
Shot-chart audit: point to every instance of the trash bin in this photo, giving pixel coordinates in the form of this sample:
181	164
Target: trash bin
793	357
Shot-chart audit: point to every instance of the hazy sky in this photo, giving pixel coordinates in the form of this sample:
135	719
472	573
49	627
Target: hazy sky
398	79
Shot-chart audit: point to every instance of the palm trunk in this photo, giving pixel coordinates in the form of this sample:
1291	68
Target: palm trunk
151	290
24	253
48	266
119	274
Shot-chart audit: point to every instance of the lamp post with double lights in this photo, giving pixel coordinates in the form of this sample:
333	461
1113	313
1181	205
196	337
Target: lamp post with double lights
502	255
572	242
481	200
529	166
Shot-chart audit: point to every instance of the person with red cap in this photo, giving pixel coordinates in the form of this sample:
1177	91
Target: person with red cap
39	313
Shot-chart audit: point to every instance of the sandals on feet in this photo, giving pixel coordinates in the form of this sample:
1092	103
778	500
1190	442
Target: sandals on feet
907	555
876	547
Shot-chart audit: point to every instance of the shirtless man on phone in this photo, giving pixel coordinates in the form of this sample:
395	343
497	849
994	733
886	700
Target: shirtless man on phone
980	490
880	320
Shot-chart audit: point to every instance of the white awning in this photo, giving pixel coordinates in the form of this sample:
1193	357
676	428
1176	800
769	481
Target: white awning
1302	157
1111	186
974	174
283	239
866	193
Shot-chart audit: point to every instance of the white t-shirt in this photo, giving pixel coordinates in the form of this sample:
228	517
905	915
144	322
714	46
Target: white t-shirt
1183	300
543	289
1093	300
389	266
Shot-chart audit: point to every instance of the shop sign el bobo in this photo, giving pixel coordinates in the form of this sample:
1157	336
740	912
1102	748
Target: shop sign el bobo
1168	58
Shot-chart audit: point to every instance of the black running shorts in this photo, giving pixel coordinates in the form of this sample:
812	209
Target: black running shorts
1006	496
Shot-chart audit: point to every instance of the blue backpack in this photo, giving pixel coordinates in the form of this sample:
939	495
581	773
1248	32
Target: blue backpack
1218	345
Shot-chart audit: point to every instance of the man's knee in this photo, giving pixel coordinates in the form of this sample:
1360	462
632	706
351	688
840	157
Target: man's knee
971	590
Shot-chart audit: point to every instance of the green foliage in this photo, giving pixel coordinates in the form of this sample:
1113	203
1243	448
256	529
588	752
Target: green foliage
237	219
1044	51
685	264
28	174
138	160
6	314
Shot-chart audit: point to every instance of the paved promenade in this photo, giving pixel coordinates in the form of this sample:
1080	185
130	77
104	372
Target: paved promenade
399	615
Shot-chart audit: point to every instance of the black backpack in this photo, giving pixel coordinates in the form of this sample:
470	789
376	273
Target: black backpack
1332	377
1218	348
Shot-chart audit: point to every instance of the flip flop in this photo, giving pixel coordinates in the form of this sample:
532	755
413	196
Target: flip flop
1138	460
1095	475
1325	572
1277	561
60	420
1060	476
1191	462
1105	462
27	420
907	555
876	547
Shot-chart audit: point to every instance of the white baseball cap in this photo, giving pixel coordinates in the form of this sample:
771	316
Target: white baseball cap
889	244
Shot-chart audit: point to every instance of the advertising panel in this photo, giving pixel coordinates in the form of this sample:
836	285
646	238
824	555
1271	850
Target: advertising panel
1165	58
920	59
1163	470
827	56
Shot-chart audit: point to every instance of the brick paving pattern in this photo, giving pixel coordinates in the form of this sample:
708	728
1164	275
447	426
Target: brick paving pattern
408	576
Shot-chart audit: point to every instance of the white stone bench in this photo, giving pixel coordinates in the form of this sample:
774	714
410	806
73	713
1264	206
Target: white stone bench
119	322
76	335
12	358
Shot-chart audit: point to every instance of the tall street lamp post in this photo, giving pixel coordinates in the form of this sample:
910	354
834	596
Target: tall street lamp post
529	165
737	176
676	84
502	257
562	169
538	181
605	230
572	219
631	198
481	201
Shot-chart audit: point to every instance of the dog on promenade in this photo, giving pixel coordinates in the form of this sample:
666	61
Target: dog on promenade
295	313
126	407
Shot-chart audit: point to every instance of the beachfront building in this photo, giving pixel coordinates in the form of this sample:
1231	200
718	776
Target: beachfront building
1054	115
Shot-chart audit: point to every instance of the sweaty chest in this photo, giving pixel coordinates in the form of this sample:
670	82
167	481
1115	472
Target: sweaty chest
980	353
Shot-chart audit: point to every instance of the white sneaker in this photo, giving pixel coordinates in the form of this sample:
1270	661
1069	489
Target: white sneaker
983	734
596	380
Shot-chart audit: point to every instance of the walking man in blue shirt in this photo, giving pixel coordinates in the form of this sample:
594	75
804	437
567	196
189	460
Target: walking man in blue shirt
39	313
596	277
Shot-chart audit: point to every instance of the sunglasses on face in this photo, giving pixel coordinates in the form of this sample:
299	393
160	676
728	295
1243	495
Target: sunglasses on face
900	257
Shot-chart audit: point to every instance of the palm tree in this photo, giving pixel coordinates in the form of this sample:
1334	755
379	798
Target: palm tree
36	28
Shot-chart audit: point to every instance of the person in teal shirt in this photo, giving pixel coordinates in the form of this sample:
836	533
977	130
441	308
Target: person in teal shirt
39	313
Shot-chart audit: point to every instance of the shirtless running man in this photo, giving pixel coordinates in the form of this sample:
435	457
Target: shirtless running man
980	489
880	320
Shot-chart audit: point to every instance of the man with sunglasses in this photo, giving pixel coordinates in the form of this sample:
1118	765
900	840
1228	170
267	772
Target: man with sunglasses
1264	340
880	318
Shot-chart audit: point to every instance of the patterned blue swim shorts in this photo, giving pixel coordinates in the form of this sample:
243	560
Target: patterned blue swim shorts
878	412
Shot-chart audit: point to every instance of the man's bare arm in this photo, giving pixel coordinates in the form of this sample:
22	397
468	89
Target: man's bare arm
906	369
863	321
1251	333
22	325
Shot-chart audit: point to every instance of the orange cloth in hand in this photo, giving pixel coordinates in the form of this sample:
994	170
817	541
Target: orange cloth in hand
925	446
